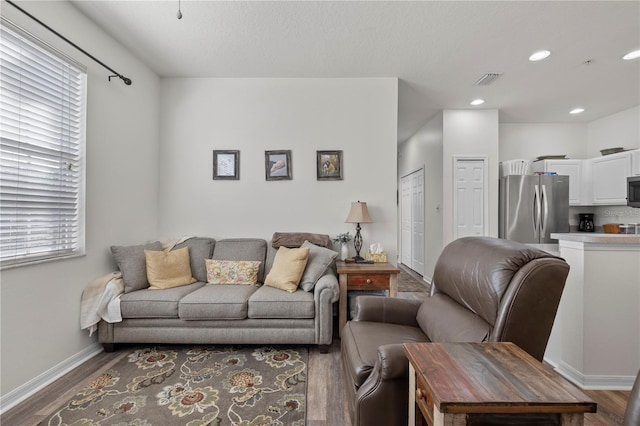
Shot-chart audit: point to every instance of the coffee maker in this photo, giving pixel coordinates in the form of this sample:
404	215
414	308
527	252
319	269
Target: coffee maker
586	222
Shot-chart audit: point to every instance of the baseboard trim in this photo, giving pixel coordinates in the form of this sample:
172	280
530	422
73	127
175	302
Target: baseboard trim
594	382
36	384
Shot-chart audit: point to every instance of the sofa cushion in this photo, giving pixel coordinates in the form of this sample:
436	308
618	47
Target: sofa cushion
232	271
360	342
168	269
476	275
155	303
242	249
444	320
214	302
269	302
133	265
200	248
287	269
320	259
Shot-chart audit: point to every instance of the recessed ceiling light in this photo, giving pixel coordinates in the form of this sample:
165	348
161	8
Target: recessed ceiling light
477	102
632	55
576	111
539	55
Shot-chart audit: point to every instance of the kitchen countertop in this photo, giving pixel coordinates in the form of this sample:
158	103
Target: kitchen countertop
595	237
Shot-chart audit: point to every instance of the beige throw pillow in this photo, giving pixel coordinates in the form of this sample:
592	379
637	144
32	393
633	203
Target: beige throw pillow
288	267
168	269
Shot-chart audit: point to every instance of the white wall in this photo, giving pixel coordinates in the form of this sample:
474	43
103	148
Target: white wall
40	303
471	133
621	129
424	149
357	116
528	141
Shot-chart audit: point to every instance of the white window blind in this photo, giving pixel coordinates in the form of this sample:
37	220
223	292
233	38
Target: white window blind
42	119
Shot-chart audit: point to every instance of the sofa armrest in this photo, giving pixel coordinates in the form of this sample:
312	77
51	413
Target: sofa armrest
329	283
386	309
325	294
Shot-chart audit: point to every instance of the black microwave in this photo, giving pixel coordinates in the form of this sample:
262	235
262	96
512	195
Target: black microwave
633	191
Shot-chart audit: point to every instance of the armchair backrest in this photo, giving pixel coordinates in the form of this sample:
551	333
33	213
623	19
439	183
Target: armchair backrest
489	289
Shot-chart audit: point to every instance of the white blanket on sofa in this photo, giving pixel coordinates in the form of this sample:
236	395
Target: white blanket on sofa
101	300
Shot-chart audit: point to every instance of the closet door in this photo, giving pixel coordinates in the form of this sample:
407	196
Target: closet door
412	221
417	222
405	214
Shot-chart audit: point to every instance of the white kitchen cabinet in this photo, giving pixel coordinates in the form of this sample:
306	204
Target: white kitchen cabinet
635	162
576	170
609	178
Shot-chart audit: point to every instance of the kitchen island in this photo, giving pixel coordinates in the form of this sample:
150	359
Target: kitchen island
595	341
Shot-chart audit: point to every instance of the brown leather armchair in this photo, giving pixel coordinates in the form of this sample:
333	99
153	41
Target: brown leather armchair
483	289
632	413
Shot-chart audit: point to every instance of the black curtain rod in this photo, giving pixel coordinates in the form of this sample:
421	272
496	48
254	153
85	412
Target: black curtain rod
126	80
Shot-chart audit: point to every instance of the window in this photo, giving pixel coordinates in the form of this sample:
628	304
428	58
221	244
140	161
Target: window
42	131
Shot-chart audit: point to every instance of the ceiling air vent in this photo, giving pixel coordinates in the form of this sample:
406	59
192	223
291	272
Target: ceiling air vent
487	79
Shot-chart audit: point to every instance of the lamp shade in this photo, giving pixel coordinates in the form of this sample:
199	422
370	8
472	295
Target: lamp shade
358	213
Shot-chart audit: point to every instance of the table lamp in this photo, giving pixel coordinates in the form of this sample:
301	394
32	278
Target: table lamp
358	214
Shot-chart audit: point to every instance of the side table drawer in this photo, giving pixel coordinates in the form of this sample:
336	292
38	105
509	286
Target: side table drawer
424	400
368	281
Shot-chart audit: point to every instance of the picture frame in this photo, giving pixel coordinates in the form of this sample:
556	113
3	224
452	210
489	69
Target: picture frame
277	165
329	165
226	165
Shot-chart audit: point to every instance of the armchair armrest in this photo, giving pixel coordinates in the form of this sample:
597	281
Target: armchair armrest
393	362
386	309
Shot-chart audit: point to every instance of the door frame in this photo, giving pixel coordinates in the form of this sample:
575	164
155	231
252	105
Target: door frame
485	185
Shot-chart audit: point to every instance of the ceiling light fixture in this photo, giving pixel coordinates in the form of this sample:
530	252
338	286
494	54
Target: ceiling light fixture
576	111
477	102
632	55
179	14
539	55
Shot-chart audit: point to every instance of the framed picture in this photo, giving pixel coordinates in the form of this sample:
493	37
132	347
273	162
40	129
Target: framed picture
277	165
329	165
226	165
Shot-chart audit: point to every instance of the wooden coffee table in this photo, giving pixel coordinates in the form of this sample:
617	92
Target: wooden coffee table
455	383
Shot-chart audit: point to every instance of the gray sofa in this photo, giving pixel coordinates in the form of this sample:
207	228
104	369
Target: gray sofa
220	314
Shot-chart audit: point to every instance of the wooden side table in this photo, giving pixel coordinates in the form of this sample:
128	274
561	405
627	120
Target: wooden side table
461	383
365	276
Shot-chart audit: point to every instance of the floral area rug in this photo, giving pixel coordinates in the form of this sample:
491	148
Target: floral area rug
192	386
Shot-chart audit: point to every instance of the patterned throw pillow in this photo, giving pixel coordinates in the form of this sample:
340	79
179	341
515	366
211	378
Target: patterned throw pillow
232	271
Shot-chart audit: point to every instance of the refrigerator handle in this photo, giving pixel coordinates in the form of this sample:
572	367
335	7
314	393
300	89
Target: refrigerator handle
545	215
536	210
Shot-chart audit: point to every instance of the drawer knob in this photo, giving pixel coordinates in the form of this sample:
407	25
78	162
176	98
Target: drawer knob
419	393
368	280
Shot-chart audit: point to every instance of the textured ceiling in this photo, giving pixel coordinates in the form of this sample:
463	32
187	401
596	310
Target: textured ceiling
436	49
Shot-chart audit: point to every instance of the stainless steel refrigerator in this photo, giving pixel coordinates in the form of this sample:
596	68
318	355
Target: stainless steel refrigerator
532	207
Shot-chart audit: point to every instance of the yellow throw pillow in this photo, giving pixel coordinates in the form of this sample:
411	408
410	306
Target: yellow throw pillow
168	269
288	267
232	271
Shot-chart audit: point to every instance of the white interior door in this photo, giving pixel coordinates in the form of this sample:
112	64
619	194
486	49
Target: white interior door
470	197
405	214
417	221
412	221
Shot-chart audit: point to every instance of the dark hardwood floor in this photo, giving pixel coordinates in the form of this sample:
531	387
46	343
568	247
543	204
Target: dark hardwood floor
325	395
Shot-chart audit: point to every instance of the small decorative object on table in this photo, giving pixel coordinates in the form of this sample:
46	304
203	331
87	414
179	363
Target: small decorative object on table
376	253
343	239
